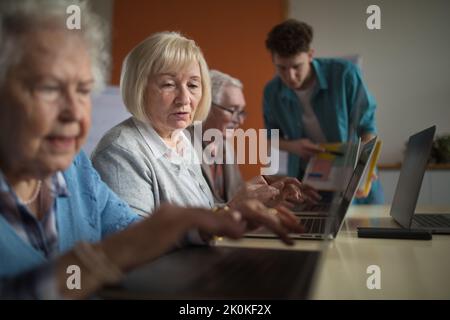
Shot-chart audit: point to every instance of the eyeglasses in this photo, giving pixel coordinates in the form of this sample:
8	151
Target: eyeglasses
233	112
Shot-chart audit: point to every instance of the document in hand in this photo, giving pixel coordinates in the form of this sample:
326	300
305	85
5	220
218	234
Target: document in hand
326	170
366	181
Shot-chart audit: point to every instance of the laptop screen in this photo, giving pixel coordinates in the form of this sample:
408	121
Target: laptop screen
340	201
347	197
411	176
361	165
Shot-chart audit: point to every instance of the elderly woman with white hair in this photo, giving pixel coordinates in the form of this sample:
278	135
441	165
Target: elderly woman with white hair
147	159
55	212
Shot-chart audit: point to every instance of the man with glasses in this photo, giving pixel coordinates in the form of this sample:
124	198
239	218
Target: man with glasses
226	115
224	179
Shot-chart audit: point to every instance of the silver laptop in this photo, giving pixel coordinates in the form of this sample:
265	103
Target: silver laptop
408	187
322	208
323	227
222	273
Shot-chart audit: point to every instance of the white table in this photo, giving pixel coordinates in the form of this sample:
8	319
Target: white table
409	269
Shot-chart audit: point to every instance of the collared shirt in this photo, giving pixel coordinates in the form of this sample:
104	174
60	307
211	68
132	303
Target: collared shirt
340	99
218	181
183	159
40	234
215	173
90	213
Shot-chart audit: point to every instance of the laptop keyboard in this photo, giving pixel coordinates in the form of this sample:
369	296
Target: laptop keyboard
312	225
316	207
432	220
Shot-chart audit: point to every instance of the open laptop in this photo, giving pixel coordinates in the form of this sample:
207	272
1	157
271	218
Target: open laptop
222	273
409	184
322	227
349	159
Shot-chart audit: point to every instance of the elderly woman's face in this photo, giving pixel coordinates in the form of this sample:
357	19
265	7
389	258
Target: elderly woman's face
45	104
172	99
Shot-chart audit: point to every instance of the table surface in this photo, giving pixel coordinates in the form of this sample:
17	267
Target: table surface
408	269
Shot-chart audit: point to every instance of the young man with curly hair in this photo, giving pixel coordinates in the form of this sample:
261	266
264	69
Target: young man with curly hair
314	100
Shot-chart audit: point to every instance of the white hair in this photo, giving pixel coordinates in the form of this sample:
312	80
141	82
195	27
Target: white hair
219	81
19	17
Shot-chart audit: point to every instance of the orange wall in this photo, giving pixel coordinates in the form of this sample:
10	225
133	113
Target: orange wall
231	34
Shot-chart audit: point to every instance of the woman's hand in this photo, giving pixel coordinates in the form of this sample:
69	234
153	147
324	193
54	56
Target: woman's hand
146	240
152	237
290	191
255	188
279	220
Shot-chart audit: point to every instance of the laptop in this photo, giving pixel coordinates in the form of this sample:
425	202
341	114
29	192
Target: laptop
409	184
221	273
349	159
324	227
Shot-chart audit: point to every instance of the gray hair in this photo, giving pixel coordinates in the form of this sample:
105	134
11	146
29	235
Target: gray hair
219	81
18	17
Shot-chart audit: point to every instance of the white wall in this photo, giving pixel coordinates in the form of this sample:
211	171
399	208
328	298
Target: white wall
406	64
107	111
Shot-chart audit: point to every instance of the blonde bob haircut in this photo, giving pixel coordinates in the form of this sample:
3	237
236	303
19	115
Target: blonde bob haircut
163	52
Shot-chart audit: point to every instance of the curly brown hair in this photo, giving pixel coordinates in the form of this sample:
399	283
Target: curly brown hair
289	38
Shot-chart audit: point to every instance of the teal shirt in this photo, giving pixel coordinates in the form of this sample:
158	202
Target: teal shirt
340	98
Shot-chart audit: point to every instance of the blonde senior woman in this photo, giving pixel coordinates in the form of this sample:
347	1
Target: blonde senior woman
55	212
147	159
